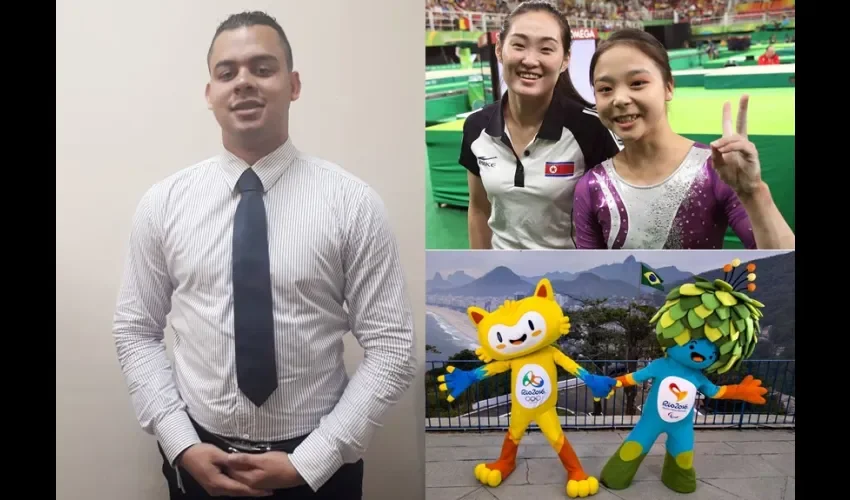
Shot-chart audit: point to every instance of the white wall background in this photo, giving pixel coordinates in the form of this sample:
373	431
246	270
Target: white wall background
581	51
130	111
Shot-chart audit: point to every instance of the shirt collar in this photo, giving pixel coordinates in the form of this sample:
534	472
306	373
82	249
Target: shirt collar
550	129
269	168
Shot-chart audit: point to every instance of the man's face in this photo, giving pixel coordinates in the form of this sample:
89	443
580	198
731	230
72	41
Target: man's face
250	84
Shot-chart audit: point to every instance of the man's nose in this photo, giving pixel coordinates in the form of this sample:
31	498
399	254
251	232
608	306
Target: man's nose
244	82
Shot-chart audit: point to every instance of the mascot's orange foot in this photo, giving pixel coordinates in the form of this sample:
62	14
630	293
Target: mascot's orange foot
494	473
583	488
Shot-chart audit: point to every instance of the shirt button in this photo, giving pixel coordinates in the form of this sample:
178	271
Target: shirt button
527	152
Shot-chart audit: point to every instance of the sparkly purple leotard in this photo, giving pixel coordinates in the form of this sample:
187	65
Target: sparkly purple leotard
691	209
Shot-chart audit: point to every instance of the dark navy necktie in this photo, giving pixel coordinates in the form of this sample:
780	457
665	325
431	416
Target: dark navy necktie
253	317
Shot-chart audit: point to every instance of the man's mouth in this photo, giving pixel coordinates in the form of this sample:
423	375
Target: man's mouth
519	341
626	118
697	357
245	105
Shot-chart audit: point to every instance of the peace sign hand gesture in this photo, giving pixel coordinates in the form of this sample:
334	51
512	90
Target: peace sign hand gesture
734	157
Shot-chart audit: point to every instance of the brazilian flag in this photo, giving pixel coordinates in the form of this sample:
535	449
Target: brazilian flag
650	278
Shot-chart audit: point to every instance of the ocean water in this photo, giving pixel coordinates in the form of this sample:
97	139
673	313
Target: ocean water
440	334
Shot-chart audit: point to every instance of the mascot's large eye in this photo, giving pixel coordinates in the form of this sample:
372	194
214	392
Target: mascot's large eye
531	325
499	336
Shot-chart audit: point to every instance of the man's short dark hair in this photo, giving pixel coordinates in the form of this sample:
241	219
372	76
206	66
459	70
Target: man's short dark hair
248	19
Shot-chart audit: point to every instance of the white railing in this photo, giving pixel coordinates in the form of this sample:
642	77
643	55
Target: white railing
758	17
659	14
439	20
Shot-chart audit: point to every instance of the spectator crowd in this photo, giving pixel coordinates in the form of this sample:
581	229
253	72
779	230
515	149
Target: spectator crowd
628	10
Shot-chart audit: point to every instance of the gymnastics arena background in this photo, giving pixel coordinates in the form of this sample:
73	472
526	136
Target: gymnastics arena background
713	45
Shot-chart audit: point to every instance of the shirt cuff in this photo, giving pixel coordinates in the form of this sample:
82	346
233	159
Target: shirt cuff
316	460
175	433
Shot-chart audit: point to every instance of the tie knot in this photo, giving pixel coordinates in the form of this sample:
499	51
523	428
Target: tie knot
249	181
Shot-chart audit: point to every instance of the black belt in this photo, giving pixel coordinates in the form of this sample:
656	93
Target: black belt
235	445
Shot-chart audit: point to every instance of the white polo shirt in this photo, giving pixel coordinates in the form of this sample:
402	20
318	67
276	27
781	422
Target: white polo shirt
532	196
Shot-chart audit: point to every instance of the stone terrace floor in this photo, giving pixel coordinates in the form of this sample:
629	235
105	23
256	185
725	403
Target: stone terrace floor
730	464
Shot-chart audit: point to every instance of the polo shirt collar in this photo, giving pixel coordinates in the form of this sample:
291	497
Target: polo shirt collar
269	168
550	129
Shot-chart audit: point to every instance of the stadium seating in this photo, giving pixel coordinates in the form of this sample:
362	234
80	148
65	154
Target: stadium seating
608	15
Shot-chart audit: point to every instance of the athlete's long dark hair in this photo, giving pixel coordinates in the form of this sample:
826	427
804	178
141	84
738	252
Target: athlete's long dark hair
564	89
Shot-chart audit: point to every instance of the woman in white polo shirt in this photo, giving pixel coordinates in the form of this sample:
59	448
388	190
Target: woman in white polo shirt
526	152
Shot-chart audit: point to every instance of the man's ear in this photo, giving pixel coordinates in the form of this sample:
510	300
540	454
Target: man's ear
207	96
295	83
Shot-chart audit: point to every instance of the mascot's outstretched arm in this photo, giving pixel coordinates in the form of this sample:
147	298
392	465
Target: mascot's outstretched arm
704	327
601	387
749	390
455	382
638	377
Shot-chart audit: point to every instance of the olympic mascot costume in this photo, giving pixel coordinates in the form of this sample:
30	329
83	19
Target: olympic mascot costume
704	327
518	337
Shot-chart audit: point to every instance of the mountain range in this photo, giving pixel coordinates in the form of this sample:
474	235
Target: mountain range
775	281
605	281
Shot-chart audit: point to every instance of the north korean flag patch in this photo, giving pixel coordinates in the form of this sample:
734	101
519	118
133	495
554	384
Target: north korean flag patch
560	168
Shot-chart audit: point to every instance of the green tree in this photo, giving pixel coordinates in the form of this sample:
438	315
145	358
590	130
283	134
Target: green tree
614	333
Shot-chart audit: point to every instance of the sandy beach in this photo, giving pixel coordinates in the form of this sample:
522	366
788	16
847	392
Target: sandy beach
458	320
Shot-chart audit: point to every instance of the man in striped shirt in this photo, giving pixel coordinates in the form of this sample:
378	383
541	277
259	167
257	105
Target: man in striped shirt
264	257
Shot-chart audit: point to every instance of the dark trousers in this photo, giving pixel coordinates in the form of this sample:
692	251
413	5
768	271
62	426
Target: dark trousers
345	484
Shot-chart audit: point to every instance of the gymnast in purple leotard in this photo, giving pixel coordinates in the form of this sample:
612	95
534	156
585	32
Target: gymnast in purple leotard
689	209
663	191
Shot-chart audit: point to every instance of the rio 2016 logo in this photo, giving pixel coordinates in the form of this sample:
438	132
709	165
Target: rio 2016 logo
676	408
536	383
530	379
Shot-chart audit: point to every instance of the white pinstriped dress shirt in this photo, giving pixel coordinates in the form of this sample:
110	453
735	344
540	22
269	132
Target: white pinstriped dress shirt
329	244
